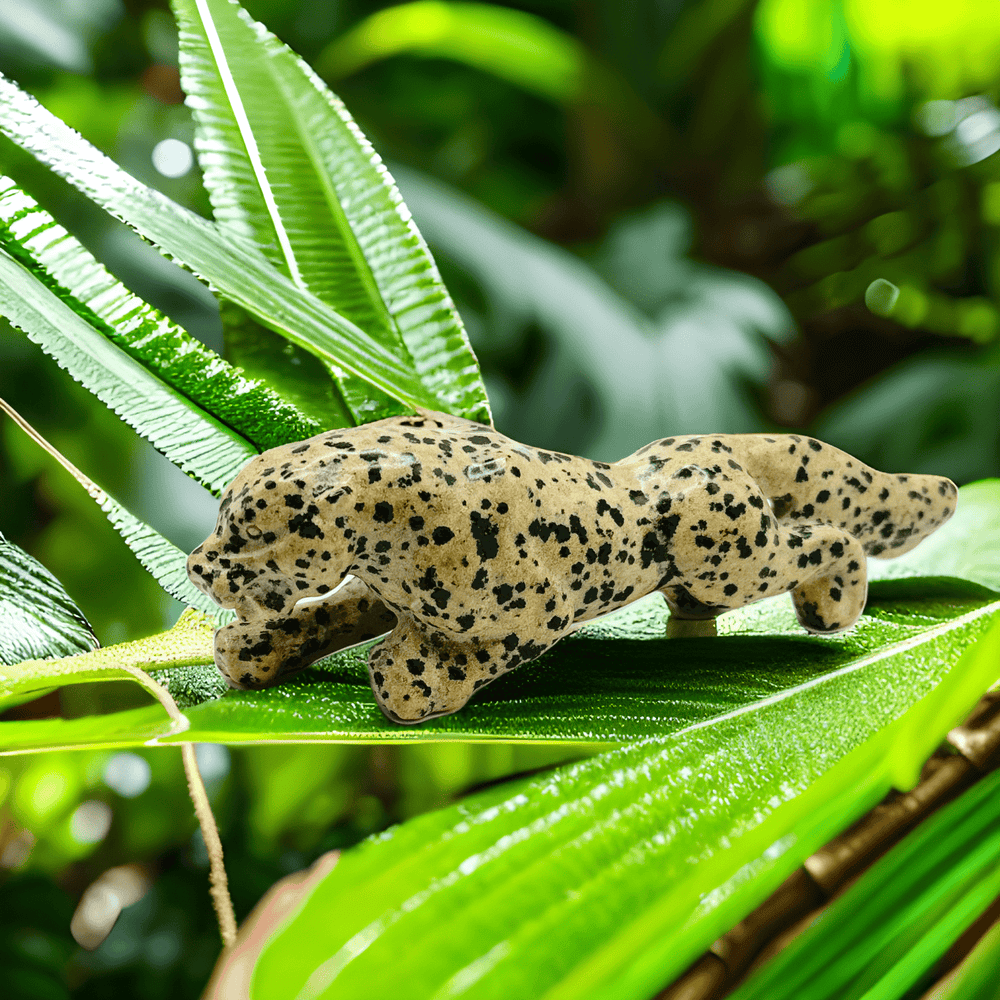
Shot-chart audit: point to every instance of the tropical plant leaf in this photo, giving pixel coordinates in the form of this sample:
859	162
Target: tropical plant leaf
607	877
291	371
883	935
38	243
37	617
620	680
192	439
976	977
231	265
285	165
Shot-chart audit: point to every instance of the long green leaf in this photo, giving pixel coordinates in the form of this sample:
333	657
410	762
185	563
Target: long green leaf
520	47
183	644
621	681
32	237
37	617
606	878
190	438
231	265
285	164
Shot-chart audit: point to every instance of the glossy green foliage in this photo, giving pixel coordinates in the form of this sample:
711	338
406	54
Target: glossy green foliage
285	164
605	878
184	644
230	264
618	679
194	440
882	937
37	617
168	353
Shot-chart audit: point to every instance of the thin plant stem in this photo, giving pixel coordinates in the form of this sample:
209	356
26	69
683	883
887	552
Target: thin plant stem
218	881
217	878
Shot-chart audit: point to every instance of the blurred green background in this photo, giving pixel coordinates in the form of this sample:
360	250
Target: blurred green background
656	216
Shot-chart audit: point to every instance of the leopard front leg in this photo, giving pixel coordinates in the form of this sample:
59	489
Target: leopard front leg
418	673
257	651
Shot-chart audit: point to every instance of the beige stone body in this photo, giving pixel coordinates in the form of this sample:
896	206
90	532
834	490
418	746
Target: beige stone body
477	553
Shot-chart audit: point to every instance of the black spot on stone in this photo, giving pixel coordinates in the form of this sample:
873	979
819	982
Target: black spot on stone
802	476
383	512
442	534
484	531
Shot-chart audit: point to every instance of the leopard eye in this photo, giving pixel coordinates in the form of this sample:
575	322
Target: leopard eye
253	531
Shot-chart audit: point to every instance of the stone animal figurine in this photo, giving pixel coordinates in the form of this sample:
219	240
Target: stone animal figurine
476	553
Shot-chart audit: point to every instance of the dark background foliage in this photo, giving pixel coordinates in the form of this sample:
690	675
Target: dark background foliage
812	145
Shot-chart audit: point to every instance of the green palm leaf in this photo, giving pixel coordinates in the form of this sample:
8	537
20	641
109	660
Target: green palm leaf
285	165
256	412
605	878
192	439
231	265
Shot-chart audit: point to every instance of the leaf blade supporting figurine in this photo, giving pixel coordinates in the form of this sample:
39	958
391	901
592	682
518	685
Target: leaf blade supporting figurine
477	553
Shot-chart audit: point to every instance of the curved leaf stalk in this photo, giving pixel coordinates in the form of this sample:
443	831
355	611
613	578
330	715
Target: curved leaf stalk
232	266
161	558
257	412
286	166
218	880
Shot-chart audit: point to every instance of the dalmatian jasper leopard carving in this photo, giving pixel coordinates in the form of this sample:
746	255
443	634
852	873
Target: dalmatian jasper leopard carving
476	553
